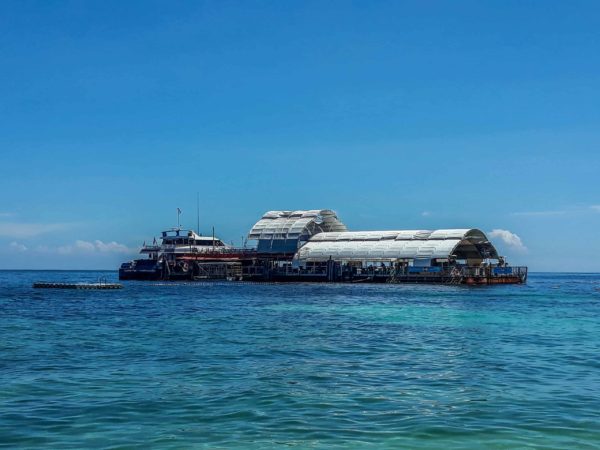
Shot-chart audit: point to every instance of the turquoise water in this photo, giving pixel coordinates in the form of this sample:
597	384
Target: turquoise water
230	365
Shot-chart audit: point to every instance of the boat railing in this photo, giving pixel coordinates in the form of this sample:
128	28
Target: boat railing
150	248
493	271
203	249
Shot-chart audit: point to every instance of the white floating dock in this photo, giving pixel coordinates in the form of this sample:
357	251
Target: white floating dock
47	285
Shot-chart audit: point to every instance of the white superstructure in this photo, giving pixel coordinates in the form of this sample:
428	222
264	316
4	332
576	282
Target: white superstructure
178	242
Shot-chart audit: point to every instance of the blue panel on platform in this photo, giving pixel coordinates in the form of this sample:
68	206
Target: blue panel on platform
277	246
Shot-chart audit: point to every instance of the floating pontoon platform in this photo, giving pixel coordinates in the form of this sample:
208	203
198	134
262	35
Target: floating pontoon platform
45	285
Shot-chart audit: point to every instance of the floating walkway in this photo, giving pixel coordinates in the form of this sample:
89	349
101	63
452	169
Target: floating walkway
46	285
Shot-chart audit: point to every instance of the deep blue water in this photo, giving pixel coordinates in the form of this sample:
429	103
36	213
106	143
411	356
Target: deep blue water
231	365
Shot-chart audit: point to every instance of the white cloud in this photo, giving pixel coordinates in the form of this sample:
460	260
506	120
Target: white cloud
5	214
78	247
17	247
85	246
426	213
509	238
595	208
111	247
65	249
27	230
97	246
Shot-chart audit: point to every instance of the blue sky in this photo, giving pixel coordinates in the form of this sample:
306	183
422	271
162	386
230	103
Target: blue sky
395	114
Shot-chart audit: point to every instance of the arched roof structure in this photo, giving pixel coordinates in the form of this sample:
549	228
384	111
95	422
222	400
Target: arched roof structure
283	231
400	244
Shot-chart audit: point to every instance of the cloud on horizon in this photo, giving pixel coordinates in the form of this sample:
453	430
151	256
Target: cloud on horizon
510	239
28	230
96	246
79	247
17	247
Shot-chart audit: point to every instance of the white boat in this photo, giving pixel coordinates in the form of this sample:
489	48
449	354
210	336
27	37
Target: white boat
177	249
177	243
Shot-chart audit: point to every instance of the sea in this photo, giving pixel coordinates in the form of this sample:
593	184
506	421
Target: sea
229	365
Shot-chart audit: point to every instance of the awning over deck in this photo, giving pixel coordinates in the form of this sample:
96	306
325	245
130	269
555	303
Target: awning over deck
399	244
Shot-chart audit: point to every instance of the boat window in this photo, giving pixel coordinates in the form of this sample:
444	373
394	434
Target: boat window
209	243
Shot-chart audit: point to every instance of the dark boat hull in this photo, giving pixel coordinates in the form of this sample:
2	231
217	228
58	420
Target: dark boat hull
140	270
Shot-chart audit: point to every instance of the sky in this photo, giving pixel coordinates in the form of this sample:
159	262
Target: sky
397	115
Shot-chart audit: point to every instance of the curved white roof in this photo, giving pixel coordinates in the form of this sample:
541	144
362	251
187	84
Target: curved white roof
293	224
404	244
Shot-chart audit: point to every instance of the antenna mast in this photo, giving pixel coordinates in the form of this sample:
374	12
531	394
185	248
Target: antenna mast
198	212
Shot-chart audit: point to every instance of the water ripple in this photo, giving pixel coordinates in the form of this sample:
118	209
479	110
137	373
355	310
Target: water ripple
233	365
